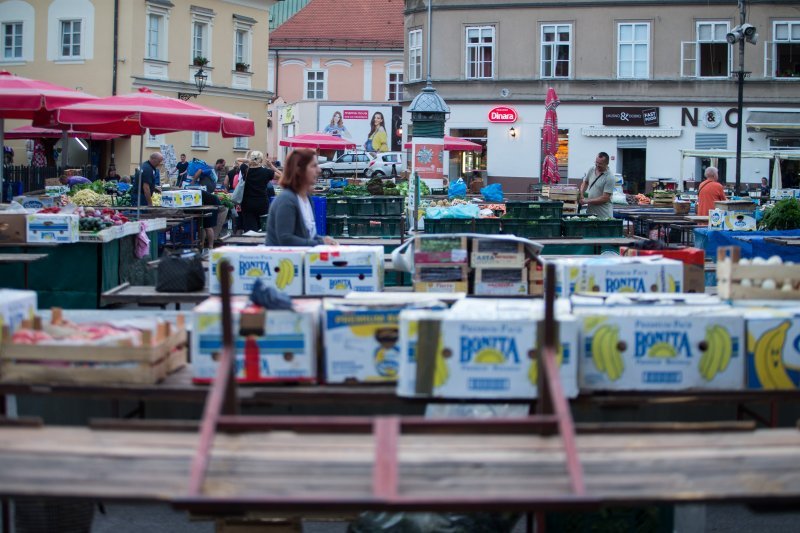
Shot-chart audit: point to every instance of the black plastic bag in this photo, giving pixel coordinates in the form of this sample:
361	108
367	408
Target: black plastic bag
180	274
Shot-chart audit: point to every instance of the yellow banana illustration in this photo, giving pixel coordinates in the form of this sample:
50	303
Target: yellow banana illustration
533	371
285	273
718	354
769	361
440	371
671	286
605	353
662	350
490	356
591	322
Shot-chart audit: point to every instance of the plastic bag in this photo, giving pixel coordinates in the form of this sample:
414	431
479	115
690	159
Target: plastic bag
142	243
433	523
493	193
457	189
454	211
619	198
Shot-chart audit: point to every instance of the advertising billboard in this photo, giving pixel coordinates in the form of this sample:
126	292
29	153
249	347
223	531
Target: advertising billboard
353	122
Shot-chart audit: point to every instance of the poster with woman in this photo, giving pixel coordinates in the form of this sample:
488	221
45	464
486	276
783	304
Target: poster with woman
356	122
336	126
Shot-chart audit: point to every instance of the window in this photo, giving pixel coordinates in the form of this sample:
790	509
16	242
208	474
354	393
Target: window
199	139
315	85
241	143
155	30
154	141
713	50
12	40
240	46
415	55
70	38
786	49
556	50
199	40
633	50
480	52
394	91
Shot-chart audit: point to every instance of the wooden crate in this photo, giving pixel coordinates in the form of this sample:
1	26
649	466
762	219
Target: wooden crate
570	208
535	279
730	275
441	272
141	365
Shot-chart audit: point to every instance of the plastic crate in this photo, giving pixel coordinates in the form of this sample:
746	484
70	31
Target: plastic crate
487	226
364	206
337	206
336	226
535	210
374	226
609	228
392	205
540	229
449	225
592	228
320	205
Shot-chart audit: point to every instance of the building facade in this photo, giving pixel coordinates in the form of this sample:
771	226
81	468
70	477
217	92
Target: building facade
640	80
334	56
91	46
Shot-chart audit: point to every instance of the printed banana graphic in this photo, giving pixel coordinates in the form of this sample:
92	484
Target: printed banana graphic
591	322
533	371
718	355
605	353
440	371
671	285
285	274
769	361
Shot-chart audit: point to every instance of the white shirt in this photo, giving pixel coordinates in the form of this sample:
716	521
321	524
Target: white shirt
308	216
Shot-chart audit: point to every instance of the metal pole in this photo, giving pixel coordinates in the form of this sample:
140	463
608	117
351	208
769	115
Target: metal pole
3	163
430	10
740	103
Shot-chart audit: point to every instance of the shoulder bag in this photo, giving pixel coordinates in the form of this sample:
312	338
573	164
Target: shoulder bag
180	274
238	192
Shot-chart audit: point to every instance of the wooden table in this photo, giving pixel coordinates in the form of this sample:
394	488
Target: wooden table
25	259
147	295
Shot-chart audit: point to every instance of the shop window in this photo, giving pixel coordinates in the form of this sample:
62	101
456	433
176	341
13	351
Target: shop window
562	153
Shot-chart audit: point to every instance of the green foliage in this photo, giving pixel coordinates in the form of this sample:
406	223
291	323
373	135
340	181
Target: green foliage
784	215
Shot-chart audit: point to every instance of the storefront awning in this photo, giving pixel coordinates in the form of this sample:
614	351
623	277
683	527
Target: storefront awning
598	131
774	121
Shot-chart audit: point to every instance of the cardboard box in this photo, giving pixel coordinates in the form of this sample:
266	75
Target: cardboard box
439	249
501	282
13	228
739	222
286	351
16	306
441	272
486	349
52	228
693	259
716	219
773	348
337	270
669	348
442	286
37	202
361	338
618	274
277	267
56	190
182	198
447	297
496	253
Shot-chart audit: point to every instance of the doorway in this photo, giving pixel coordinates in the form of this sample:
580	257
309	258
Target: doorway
464	164
634	165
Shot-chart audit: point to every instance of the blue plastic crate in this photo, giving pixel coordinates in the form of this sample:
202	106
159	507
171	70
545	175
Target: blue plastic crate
320	206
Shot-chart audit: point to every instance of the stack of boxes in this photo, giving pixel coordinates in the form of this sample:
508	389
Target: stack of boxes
440	264
733	215
499	268
663	198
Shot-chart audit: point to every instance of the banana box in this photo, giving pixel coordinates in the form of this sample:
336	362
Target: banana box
286	352
773	348
486	349
361	339
16	306
281	268
739	222
337	270
661	349
182	198
619	275
52	228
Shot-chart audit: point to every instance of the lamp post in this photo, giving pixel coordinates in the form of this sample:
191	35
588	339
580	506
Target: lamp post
740	34
200	79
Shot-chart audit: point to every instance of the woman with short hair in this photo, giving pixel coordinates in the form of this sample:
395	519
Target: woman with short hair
257	188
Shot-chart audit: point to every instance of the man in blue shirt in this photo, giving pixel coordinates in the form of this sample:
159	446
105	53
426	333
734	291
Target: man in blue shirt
72	181
149	177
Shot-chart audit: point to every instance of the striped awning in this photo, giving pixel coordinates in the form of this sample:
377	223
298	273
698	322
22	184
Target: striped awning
601	131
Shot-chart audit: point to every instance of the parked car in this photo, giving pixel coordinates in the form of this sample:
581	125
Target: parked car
346	165
382	165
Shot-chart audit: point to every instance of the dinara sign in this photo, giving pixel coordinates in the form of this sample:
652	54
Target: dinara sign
503	115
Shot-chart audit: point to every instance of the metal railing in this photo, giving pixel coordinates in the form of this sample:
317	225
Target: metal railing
34	178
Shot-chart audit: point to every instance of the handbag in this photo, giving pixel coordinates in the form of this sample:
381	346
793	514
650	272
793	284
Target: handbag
238	192
181	274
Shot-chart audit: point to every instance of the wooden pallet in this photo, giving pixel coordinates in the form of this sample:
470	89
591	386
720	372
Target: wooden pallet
730	275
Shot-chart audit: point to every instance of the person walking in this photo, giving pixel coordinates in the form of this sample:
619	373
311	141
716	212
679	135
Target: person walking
291	218
709	192
598	183
257	189
149	177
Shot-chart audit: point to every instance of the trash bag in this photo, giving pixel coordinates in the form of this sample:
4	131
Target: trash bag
433	523
269	297
493	193
454	211
457	189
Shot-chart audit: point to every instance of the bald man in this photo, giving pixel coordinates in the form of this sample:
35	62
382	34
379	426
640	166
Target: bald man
709	192
149	176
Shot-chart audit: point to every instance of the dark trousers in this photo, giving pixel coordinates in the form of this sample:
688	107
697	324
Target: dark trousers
251	220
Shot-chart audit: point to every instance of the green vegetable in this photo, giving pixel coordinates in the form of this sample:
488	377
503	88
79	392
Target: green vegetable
784	215
355	190
423	189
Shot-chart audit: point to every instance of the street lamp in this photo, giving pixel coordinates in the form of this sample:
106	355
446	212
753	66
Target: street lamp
200	79
740	34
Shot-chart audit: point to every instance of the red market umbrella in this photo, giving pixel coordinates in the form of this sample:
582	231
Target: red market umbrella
24	98
32	132
318	141
456	144
550	139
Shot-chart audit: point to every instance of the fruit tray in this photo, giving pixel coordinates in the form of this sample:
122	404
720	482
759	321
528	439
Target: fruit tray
736	281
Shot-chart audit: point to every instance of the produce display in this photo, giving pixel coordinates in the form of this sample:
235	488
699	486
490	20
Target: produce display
87	197
155	198
92	219
784	215
70	334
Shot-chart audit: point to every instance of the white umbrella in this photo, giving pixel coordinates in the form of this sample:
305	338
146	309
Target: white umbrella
777	180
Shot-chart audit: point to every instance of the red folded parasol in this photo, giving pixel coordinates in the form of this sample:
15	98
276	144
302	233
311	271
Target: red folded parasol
550	172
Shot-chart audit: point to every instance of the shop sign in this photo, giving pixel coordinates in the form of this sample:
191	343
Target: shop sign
630	116
503	115
710	117
288	115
